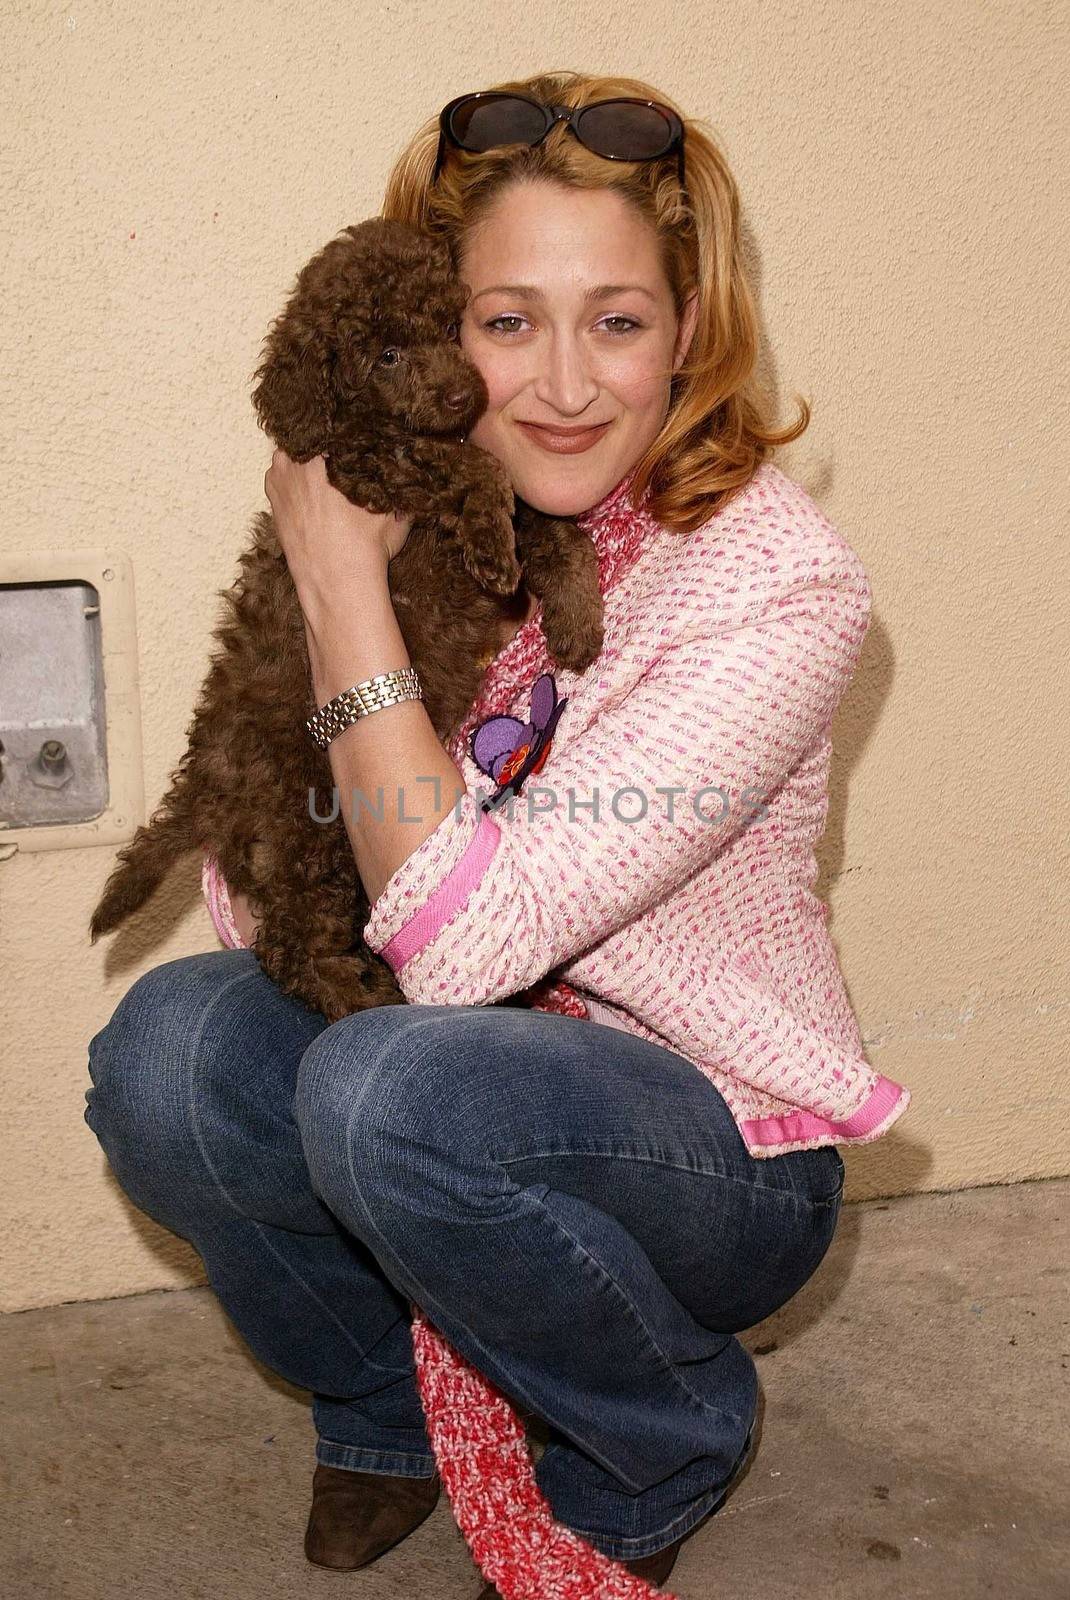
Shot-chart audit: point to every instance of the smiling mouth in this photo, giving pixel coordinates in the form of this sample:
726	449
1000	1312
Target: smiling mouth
568	433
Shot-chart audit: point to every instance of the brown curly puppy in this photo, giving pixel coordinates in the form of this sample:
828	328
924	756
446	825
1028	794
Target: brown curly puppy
364	367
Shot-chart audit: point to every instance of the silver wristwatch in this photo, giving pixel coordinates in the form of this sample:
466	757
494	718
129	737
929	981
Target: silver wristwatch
372	694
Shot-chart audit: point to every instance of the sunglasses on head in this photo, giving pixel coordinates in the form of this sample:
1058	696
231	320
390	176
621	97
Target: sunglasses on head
619	129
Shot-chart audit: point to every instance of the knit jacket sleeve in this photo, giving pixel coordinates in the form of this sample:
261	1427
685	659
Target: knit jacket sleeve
490	902
217	899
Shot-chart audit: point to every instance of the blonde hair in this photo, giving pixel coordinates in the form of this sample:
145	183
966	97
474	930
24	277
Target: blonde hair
718	429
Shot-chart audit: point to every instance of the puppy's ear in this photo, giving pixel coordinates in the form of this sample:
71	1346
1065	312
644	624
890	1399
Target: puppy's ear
294	397
441	257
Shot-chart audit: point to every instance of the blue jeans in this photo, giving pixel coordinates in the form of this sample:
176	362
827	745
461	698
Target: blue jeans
573	1207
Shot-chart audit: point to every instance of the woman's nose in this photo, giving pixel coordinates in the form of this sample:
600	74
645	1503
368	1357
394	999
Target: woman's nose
565	382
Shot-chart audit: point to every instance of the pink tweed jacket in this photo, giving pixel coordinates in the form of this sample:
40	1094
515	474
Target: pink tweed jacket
657	878
655	872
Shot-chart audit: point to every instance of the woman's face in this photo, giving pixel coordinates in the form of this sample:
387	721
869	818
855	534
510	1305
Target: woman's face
561	351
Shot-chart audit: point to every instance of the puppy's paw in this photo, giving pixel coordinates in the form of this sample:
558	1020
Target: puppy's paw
574	642
489	555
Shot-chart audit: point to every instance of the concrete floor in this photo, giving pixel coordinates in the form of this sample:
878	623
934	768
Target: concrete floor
914	1442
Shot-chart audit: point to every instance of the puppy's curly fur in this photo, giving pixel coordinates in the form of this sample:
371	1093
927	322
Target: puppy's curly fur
365	368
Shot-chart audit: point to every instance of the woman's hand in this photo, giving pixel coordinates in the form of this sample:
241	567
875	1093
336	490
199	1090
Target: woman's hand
327	540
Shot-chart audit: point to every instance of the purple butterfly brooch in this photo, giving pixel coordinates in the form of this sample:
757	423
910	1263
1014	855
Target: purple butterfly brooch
509	750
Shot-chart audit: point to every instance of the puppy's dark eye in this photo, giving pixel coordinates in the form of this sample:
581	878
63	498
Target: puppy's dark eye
390	358
453	330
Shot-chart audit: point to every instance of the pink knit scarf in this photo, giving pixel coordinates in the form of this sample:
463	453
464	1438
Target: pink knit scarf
478	1440
485	1464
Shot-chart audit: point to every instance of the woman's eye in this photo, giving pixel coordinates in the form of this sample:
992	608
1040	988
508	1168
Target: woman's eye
513	317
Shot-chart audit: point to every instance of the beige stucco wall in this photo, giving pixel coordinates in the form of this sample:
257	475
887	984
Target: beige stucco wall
169	167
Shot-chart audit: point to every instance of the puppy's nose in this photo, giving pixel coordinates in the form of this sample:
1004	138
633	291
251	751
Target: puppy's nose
457	400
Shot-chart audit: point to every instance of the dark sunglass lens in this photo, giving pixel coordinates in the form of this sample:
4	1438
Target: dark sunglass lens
482	124
633	133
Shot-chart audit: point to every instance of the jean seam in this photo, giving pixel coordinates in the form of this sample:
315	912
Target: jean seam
206	1158
630	1308
427	1301
429	1305
710	1501
700	1172
388	1458
622	1546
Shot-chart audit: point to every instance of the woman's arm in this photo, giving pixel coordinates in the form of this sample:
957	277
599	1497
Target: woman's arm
338	556
395	781
489	903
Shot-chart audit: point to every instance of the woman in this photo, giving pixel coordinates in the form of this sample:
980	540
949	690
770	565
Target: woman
591	1188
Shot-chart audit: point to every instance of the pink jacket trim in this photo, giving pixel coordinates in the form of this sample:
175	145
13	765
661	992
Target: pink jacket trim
451	894
881	1107
217	898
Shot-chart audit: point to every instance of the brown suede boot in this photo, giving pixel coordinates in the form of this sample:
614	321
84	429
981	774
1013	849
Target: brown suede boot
355	1516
